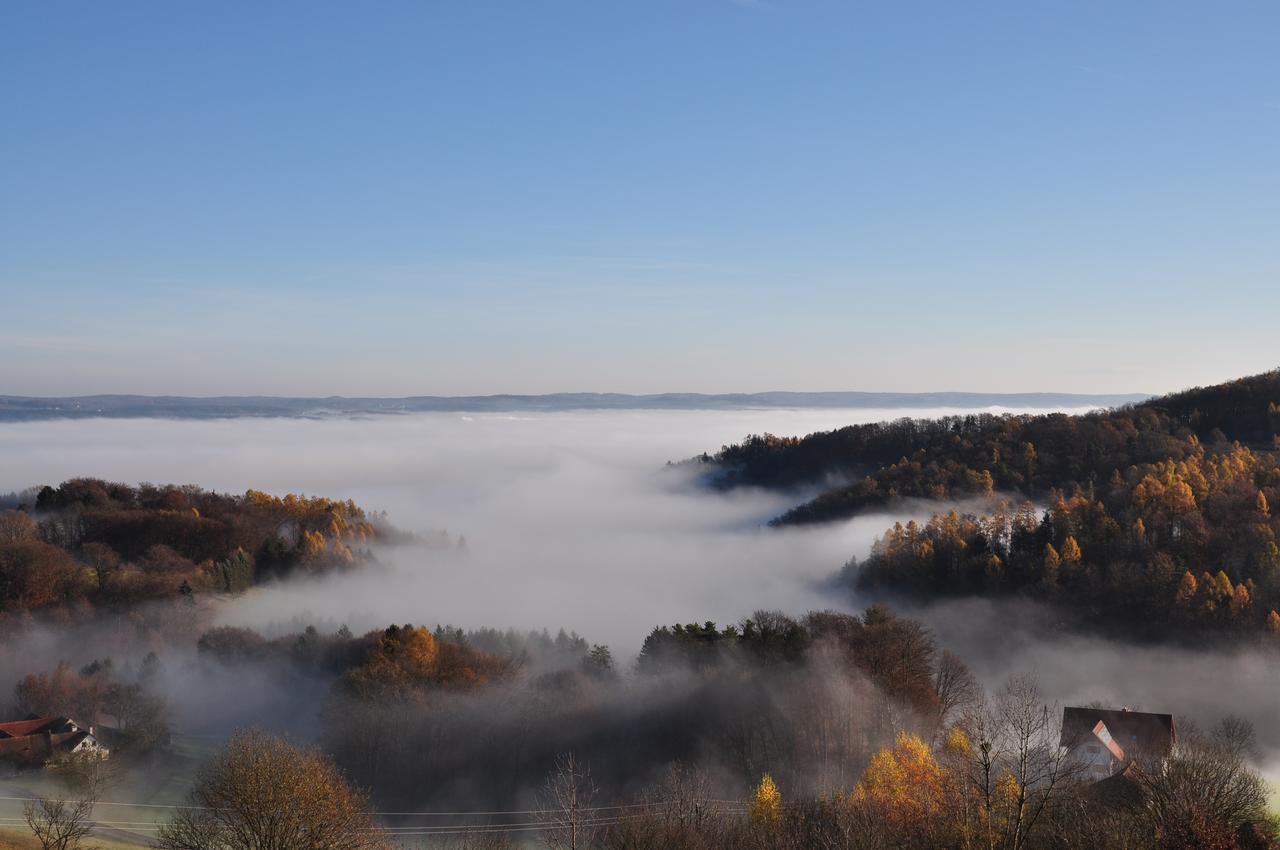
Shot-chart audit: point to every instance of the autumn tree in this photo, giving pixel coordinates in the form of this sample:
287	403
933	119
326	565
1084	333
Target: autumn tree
1071	551
1052	565
765	806
1273	622
263	793
17	527
904	787
103	560
1187	589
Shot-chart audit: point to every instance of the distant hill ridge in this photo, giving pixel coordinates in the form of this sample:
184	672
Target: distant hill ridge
27	408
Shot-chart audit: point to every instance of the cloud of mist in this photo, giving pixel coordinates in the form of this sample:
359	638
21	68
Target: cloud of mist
571	519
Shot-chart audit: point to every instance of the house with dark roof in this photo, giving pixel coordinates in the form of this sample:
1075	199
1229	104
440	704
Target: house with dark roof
36	741
1106	741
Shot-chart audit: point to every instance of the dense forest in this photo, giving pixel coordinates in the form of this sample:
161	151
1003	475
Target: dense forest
1153	518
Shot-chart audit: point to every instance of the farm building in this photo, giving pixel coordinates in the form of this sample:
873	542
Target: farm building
38	740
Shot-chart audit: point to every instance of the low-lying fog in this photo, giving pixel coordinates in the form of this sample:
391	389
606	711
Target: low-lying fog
571	520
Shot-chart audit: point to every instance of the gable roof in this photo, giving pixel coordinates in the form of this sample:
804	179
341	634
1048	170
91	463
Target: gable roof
1137	732
36	748
36	726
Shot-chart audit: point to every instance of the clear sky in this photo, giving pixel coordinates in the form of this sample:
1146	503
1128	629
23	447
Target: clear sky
390	198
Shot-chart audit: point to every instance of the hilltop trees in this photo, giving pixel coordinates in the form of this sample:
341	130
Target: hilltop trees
108	544
407	661
962	456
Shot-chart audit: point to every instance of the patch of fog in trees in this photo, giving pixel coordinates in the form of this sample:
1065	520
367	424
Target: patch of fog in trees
998	637
203	696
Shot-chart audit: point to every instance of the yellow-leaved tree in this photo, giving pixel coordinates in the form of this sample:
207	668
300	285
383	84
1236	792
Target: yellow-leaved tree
765	808
905	788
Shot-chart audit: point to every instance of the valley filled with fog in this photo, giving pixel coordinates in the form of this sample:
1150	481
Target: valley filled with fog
573	520
597	526
570	520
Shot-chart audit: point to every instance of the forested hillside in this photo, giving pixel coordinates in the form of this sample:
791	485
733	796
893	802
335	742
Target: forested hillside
96	543
1154	517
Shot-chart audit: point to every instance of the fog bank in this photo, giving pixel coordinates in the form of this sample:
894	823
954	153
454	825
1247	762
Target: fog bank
571	519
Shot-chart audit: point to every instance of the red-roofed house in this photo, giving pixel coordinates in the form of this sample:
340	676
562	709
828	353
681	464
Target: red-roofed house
37	740
1105	741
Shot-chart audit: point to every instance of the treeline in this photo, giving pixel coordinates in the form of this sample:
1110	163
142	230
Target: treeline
96	543
972	455
458	719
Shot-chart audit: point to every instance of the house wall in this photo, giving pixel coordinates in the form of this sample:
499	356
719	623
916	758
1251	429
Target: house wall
1093	760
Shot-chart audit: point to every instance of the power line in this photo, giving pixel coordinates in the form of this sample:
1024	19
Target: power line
496	813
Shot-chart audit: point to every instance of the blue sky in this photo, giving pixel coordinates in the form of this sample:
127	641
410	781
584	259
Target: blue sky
703	195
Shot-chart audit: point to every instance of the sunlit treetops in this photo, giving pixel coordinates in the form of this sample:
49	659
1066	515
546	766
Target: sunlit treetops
1189	542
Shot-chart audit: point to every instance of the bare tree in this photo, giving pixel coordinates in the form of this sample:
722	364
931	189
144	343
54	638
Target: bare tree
1014	766
682	798
1205	789
64	824
263	793
567	797
958	690
1032	754
59	824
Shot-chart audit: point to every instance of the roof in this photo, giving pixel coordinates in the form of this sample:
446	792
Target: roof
36	726
37	738
38	747
1137	732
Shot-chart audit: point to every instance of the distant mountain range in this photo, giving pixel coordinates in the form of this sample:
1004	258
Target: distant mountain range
25	408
